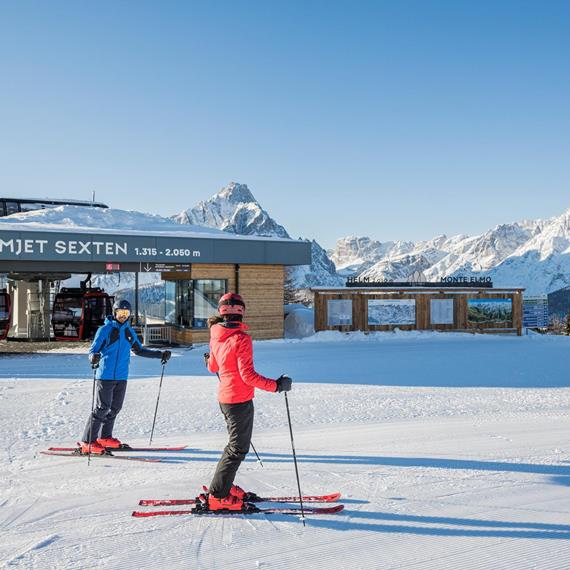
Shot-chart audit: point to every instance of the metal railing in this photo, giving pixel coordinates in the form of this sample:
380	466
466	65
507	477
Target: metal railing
157	334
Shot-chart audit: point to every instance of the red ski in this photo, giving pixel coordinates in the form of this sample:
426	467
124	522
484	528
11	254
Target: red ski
251	511
332	498
106	455
125	448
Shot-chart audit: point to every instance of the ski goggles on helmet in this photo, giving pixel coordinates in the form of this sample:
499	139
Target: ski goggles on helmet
122	313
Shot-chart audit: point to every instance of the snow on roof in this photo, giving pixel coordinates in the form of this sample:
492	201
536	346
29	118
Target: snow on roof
79	219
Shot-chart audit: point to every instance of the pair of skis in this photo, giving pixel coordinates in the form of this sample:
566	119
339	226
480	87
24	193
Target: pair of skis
110	452
251	507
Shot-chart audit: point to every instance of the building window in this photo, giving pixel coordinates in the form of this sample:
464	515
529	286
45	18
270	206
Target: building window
30	207
441	311
339	312
170	302
11	208
189	303
392	312
207	293
178	299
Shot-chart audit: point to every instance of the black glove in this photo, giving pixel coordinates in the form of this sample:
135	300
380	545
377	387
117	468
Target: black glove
284	383
95	359
165	356
206	358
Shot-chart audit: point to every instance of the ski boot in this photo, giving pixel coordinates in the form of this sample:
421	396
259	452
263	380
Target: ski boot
245	496
206	503
94	448
111	443
229	503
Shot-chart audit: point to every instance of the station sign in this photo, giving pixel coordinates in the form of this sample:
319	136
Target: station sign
456	282
165	267
166	252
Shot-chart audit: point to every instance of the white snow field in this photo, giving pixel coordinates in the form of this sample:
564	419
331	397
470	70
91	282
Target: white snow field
451	451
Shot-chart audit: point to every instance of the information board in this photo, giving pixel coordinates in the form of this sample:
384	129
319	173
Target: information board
535	312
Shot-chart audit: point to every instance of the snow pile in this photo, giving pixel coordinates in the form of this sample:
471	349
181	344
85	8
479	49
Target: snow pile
299	321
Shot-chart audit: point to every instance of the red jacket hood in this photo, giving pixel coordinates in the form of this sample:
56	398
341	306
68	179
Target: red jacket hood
222	331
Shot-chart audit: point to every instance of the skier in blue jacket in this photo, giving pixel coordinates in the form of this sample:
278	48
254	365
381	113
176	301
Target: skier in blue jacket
110	353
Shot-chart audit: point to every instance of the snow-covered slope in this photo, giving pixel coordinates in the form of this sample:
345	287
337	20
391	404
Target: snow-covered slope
443	461
234	209
532	254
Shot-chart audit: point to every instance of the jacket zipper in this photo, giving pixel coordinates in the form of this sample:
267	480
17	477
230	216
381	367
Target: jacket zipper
117	357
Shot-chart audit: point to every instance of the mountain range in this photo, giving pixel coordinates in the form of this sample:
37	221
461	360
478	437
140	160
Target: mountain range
532	254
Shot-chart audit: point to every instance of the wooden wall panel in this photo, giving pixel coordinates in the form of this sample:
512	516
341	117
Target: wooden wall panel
460	311
423	310
262	288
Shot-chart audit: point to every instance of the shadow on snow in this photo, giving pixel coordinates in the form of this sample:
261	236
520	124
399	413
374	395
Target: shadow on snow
374	521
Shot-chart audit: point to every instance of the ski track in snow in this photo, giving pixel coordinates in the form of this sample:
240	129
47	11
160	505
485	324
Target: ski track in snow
434	475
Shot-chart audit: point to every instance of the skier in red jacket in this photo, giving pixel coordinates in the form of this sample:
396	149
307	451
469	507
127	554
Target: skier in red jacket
231	358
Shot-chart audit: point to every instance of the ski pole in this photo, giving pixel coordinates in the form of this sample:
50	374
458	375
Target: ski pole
295	459
256	454
251	442
156	408
91	420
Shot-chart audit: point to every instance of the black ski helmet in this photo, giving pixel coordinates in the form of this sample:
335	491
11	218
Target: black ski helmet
123	304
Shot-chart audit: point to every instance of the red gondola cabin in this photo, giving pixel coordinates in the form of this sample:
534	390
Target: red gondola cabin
5	313
78	313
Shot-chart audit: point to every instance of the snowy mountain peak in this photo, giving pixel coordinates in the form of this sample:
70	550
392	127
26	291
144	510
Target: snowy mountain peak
233	209
236	193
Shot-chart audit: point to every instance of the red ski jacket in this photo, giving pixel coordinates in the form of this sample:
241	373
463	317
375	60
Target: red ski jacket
231	356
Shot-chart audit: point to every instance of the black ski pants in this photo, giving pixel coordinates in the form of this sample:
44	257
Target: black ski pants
109	397
239	420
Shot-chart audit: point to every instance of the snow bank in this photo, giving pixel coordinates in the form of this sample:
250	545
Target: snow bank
299	321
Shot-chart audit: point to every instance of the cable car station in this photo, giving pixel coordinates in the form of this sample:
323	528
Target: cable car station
196	268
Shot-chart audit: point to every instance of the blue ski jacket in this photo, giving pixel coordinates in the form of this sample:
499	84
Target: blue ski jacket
115	341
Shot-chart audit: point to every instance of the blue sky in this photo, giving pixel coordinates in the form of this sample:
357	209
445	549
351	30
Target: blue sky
397	120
